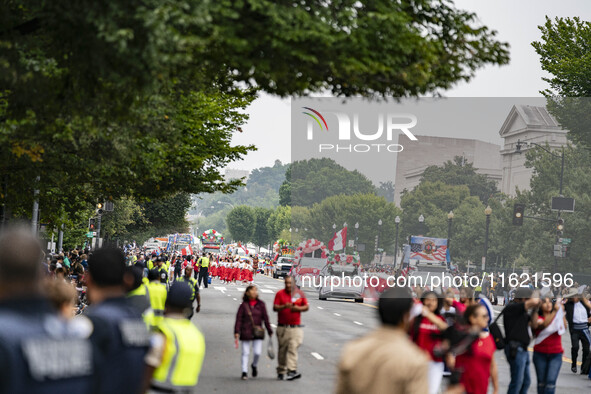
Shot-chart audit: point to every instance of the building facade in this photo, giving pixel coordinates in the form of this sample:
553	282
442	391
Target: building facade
526	124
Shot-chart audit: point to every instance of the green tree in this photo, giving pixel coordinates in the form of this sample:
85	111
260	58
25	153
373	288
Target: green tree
311	181
116	224
279	221
260	235
386	190
241	222
459	172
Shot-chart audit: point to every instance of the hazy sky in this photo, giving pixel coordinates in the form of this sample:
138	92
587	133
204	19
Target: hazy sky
516	22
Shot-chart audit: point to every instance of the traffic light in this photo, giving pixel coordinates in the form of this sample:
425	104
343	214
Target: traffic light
99	208
91	224
559	226
518	214
564	251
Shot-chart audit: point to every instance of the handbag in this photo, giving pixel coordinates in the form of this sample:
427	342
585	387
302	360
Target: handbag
258	331
496	333
271	350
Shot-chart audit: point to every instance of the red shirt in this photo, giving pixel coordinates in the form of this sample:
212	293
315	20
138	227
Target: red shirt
427	337
475	363
551	345
286	316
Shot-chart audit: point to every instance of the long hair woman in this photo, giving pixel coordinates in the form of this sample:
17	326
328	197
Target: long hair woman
426	333
252	312
548	346
478	362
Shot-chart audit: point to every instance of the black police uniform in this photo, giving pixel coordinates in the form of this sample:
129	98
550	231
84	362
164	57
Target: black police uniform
122	340
38	352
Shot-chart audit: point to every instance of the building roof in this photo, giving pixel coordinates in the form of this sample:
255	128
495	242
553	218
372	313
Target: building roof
529	117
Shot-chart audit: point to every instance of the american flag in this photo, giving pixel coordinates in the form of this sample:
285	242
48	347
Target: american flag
430	249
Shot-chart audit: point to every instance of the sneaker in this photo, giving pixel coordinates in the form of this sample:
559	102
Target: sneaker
244	376
574	368
292	375
255	372
280	376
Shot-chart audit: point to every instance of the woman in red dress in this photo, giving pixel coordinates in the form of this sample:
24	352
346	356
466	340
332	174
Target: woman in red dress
478	364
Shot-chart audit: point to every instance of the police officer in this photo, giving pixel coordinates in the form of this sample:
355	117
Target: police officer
192	282
120	334
33	340
176	357
178	266
137	290
162	270
157	294
204	269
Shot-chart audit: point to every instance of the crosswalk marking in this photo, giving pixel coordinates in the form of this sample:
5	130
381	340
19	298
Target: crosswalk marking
356	322
337	314
317	356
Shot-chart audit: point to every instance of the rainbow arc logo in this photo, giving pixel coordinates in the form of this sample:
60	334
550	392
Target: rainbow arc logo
313	116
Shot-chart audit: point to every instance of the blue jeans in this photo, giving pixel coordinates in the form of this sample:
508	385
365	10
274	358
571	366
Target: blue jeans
520	379
547	369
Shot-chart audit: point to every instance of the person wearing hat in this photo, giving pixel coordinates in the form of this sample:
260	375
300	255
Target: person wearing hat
192	283
178	349
157	293
578	316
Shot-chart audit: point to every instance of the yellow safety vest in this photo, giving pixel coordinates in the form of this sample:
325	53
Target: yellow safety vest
204	262
183	355
139	291
192	282
157	292
150	264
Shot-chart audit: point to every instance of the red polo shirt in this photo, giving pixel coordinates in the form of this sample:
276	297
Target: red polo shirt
286	316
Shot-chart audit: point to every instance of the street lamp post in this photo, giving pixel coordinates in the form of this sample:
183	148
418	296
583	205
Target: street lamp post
487	212
356	228
450	218
397	221
561	157
378	240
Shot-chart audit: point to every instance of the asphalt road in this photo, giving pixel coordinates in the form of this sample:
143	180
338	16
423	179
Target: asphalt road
328	325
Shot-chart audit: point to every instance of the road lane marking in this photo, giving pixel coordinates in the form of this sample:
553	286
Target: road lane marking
271	287
319	307
234	299
337	314
220	288
356	322
266	291
240	288
317	356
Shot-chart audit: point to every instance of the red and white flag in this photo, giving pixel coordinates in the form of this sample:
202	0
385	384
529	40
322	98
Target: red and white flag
187	251
339	241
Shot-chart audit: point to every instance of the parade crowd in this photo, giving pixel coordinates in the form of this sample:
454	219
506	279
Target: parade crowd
119	321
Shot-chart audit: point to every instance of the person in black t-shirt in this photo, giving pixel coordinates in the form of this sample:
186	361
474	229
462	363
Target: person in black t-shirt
517	333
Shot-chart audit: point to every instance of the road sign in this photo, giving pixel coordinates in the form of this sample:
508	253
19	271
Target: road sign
564	204
351	243
89	234
565	241
558	250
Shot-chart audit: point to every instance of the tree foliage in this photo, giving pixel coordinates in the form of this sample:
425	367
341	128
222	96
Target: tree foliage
311	181
241	223
459	172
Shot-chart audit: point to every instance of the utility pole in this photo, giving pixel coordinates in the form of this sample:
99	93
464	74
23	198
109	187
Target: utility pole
35	206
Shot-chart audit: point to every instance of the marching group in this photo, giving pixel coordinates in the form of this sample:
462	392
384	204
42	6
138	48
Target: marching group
136	335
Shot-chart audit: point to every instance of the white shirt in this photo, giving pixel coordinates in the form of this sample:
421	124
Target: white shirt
580	313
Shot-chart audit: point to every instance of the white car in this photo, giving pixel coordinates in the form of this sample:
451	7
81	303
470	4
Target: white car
344	287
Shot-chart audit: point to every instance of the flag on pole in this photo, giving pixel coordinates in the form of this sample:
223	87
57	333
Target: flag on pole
339	241
187	251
